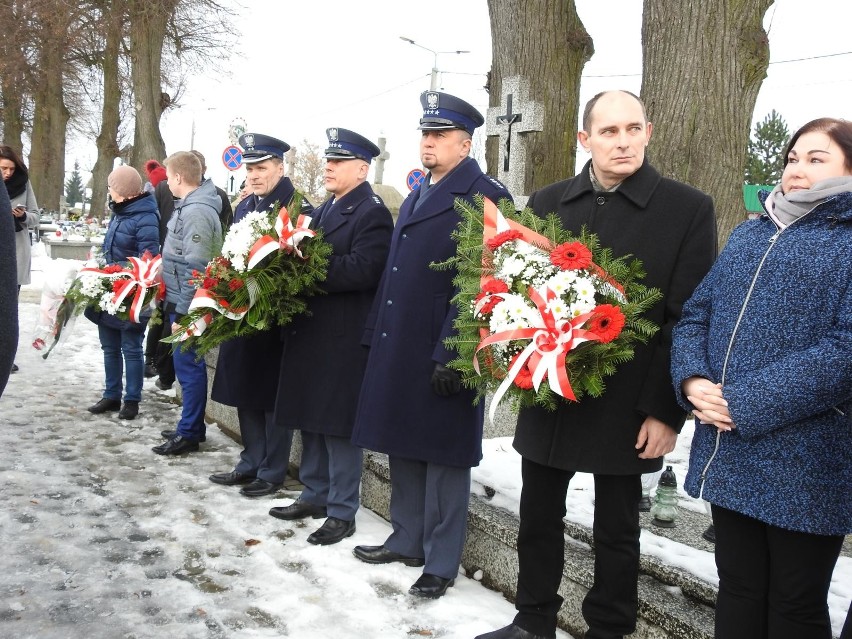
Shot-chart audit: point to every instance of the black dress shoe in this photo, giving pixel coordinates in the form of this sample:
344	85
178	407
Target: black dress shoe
231	479
129	410
105	405
150	370
381	555
332	531
259	488
162	385
298	510
177	446
171	434
513	632
15	368
430	586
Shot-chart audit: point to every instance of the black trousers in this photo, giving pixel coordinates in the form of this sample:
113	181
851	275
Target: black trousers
773	583
159	353
611	605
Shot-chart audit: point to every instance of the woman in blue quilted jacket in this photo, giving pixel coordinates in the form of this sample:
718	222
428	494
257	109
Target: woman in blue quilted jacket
134	228
763	358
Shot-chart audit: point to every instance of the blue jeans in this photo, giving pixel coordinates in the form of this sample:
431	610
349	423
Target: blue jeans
122	354
191	372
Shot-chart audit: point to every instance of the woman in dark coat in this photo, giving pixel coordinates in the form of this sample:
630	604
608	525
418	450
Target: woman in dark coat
16	178
8	287
133	230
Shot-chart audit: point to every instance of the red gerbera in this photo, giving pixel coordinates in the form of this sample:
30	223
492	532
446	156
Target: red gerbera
606	322
210	283
524	377
235	284
571	256
501	238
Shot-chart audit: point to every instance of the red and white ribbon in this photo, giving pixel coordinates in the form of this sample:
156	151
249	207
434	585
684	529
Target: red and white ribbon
288	237
142	275
550	342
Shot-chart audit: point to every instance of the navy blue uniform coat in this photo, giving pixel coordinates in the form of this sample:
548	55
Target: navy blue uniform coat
247	367
324	360
398	413
671	228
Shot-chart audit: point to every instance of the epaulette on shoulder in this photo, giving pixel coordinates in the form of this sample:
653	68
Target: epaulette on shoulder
378	200
495	181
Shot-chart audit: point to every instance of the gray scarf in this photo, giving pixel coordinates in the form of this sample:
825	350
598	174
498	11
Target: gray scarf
786	209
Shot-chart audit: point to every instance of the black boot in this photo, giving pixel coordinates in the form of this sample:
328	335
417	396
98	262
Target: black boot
105	405
129	410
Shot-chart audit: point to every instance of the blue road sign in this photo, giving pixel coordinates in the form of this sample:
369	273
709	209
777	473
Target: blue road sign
415	179
232	157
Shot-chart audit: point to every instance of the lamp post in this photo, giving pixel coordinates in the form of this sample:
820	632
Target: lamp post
433	83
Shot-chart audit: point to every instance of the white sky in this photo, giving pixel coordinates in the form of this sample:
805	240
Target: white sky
303	67
77	487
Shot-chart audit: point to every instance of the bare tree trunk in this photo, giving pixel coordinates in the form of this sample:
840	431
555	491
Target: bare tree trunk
107	140
12	119
13	68
149	20
702	67
50	119
545	42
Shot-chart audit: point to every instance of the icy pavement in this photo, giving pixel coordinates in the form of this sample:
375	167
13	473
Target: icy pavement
104	539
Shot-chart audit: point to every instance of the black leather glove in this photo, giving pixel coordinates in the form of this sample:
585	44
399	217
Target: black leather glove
445	381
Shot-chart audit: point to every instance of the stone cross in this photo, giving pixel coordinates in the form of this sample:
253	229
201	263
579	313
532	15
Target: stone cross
512	127
380	161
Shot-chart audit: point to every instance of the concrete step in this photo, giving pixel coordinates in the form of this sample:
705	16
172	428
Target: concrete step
673	604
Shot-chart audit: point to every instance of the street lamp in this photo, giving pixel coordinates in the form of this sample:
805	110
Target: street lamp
433	84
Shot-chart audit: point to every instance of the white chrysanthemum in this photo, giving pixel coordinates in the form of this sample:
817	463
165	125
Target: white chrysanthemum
512	312
580	307
562	282
242	236
584	287
559	308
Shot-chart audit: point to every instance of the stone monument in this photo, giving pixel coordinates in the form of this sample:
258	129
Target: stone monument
516	116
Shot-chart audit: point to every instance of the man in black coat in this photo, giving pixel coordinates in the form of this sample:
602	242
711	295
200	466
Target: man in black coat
323	361
412	406
624	433
8	289
247	368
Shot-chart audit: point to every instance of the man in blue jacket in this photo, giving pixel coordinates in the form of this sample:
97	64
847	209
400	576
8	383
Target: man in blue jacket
194	234
412	406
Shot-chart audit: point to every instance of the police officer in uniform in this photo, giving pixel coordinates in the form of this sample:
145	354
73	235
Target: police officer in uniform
412	406
247	367
324	361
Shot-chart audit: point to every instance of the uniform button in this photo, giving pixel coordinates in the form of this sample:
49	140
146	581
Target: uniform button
384	335
601	200
390	302
394	269
404	235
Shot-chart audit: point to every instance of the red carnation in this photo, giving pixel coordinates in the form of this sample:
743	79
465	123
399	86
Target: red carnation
606	322
495	286
501	238
119	285
235	284
571	256
113	268
209	283
524	377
